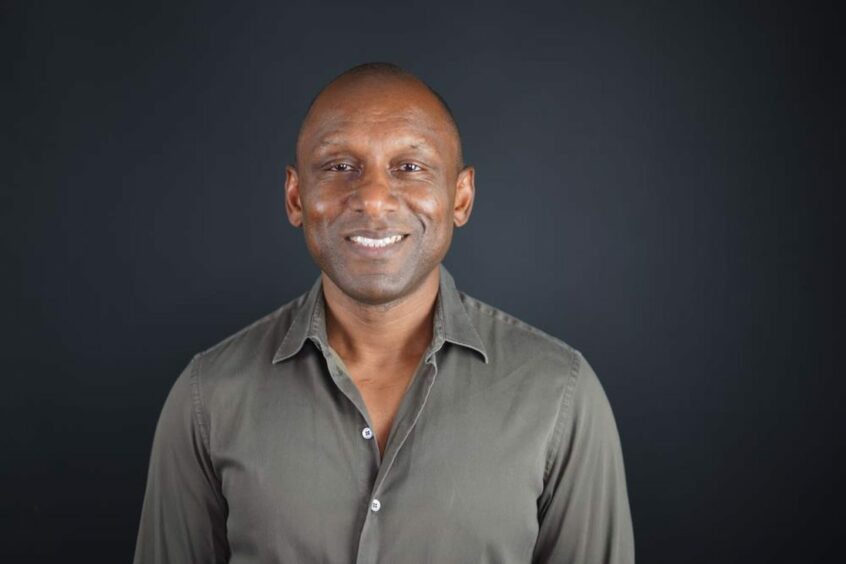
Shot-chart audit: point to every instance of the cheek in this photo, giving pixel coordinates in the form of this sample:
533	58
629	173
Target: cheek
432	204
317	207
317	215
319	211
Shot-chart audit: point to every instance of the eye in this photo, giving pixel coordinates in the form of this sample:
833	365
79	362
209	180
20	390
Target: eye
340	167
410	167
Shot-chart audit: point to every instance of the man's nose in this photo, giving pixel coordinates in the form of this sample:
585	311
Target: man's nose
374	194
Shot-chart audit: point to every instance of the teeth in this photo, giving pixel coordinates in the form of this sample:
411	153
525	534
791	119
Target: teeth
375	243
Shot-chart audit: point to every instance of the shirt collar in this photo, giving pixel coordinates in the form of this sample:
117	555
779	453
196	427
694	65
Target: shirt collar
451	323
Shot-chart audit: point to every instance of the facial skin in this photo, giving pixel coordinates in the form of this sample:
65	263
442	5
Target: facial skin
378	156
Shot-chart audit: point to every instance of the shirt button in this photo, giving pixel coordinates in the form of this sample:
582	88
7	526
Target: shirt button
367	433
375	505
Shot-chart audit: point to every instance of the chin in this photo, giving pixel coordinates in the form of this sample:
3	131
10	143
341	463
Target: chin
374	289
377	288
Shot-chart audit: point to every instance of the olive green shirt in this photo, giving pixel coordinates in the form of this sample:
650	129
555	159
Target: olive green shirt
504	449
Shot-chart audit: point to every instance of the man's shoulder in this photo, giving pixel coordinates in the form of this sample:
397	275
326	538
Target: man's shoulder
540	361
509	340
253	345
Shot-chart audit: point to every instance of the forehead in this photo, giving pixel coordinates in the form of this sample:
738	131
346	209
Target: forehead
408	126
392	110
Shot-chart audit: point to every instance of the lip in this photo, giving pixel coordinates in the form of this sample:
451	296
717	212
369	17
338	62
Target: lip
376	252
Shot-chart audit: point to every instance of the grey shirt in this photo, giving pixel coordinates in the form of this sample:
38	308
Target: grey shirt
504	449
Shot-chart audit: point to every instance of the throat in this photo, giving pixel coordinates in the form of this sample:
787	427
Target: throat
382	388
368	335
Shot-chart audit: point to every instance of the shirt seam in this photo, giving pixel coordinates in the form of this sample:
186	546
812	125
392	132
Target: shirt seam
499	315
563	414
197	401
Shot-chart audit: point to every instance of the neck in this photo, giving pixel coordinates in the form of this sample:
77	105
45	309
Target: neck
385	333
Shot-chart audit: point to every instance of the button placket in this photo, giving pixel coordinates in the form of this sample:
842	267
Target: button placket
406	426
367	549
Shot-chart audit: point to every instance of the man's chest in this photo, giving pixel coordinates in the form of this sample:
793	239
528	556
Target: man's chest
462	468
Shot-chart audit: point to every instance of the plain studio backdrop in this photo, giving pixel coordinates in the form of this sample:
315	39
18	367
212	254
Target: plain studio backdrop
655	186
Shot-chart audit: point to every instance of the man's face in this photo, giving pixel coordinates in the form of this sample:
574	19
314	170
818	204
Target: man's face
378	186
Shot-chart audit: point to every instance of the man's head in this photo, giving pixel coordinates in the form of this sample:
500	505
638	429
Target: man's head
379	182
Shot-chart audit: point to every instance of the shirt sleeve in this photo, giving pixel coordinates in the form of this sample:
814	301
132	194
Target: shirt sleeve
583	512
183	519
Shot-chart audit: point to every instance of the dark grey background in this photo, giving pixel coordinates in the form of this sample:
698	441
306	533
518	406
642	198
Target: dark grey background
656	186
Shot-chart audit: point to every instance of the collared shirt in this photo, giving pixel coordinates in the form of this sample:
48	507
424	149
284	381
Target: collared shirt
504	449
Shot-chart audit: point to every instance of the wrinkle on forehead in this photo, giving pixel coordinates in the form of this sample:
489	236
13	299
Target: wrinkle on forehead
339	139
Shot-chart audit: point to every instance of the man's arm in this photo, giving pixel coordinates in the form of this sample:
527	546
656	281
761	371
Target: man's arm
184	515
584	511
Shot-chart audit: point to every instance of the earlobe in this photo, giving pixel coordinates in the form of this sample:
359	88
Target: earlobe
465	191
293	203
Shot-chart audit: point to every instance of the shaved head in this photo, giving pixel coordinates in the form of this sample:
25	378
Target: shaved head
380	76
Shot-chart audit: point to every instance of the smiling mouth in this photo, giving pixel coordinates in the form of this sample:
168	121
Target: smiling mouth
376	243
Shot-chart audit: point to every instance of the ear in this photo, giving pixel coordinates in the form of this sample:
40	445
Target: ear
293	202
465	191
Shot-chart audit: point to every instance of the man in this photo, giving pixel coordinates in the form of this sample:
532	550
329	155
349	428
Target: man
384	416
